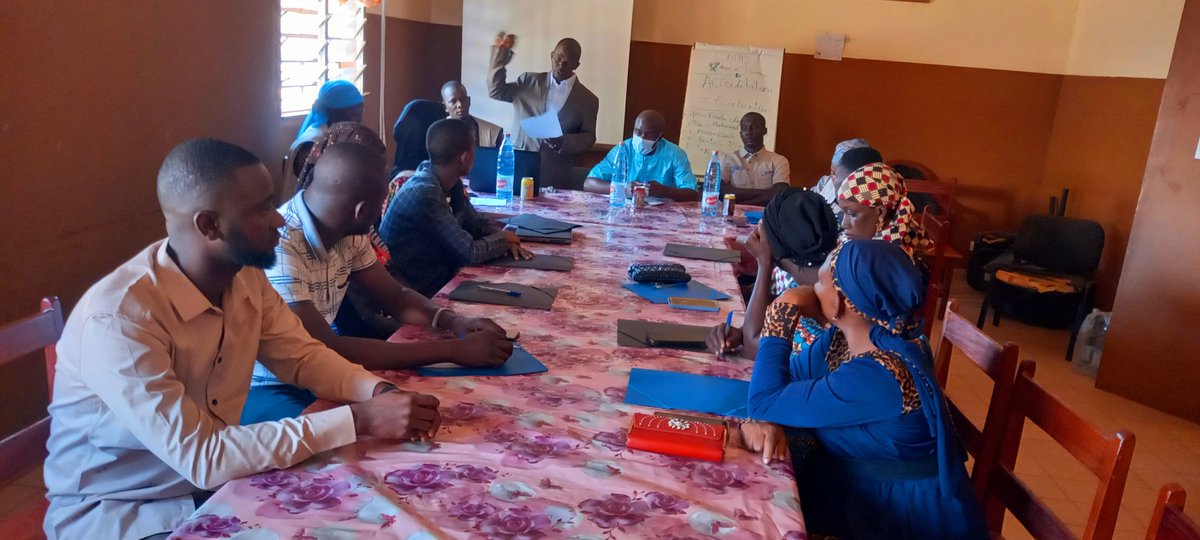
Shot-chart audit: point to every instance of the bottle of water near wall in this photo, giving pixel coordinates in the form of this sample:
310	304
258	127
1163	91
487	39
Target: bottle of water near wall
710	202
620	178
505	169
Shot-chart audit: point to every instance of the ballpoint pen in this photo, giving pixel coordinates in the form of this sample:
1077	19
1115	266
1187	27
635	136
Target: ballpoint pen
499	290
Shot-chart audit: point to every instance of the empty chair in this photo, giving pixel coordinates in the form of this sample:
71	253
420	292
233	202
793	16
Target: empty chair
1052	255
1106	456
24	450
999	363
1168	521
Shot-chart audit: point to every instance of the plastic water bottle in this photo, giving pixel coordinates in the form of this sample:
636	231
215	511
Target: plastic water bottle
620	178
505	166
710	203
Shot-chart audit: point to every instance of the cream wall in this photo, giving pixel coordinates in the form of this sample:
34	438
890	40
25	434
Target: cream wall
1106	38
1124	38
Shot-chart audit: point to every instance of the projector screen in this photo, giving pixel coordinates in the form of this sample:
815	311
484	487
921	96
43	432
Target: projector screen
601	26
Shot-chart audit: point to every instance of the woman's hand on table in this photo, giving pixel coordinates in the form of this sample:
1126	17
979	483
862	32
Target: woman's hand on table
765	438
483	349
724	339
397	415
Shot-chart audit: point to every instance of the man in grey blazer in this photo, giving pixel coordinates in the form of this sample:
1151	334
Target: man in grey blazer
535	93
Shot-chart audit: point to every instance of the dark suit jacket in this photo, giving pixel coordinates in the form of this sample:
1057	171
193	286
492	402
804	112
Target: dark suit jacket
528	96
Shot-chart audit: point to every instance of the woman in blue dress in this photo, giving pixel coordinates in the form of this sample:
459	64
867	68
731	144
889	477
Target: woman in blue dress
890	465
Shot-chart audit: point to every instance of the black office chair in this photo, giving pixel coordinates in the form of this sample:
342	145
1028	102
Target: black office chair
1049	247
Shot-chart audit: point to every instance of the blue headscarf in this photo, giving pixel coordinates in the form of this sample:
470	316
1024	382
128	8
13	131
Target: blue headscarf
338	94
882	284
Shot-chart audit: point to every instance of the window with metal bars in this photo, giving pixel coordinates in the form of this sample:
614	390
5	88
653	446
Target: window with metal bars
319	40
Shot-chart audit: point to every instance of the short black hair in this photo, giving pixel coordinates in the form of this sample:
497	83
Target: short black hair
857	157
753	114
447	139
572	46
198	166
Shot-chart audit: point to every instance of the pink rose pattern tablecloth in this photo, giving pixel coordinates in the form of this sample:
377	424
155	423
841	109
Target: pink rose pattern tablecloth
538	456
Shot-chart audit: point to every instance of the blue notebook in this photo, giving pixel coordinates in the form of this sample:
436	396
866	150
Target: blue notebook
753	216
659	294
520	363
687	392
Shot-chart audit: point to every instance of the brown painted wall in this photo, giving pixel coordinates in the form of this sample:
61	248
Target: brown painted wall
95	96
1150	353
1098	150
421	58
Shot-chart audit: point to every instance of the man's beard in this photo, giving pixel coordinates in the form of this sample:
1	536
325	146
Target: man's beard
242	255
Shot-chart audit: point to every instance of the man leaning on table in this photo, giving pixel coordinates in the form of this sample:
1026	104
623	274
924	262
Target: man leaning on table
154	362
325	250
652	159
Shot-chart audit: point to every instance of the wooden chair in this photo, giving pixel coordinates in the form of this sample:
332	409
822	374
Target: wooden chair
937	292
923	172
1169	522
941	192
1107	457
999	363
26	449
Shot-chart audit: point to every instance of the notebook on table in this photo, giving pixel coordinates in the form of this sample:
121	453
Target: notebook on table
636	333
702	253
555	263
687	392
505	294
520	363
533	228
659	294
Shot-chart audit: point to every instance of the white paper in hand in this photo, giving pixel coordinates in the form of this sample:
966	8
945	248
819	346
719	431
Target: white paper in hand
543	126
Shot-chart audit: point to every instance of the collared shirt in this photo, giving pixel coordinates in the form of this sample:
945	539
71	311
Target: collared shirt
306	271
557	92
150	383
828	190
668	165
486	134
759	170
432	233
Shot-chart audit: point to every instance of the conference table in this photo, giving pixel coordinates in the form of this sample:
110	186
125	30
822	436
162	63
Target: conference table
542	455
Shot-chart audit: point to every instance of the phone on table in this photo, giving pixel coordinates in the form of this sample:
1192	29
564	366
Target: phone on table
694	304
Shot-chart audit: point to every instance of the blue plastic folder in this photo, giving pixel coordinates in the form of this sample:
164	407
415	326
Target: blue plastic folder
687	392
753	216
520	363
659	294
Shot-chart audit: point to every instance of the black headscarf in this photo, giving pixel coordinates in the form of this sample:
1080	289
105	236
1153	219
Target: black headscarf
410	130
800	227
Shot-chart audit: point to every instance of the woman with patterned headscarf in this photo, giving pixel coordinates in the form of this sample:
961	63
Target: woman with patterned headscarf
876	205
889	463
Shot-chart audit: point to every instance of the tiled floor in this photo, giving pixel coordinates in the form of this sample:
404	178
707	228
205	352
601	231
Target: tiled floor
1167	448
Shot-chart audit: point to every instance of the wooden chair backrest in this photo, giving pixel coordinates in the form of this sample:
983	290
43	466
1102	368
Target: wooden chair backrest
938	229
1168	521
1105	456
26	448
999	363
941	191
916	165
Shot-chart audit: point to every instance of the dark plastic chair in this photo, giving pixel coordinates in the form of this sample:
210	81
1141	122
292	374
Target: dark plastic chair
1055	247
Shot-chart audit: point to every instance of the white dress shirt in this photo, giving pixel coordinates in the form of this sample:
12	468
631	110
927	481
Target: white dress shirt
557	93
151	380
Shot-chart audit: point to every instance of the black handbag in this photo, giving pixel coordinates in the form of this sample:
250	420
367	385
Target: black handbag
665	273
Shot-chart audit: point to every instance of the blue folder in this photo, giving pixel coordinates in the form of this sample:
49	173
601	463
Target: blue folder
687	392
753	216
659	294
520	363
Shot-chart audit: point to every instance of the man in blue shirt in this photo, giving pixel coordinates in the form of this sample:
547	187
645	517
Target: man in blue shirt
652	159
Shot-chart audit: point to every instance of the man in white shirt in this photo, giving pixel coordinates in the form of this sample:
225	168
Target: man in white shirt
154	363
557	91
753	173
829	185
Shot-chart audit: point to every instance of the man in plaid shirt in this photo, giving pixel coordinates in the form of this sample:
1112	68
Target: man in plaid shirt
430	228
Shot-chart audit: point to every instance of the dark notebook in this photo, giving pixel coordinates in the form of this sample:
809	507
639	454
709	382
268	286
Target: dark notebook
702	253
538	262
634	333
481	292
539	224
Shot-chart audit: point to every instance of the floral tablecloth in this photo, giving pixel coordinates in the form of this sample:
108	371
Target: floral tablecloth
537	456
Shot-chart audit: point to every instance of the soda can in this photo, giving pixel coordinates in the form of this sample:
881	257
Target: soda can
730	202
639	196
527	187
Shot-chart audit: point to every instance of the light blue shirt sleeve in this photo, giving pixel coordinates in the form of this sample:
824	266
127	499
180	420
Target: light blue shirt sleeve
604	169
681	170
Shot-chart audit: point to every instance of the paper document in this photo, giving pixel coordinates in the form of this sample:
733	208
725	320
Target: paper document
830	46
543	126
488	201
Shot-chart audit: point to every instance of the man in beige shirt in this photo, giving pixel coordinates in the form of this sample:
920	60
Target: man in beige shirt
458	106
753	173
154	364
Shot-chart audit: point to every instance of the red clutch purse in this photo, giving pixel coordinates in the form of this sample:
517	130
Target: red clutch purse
677	436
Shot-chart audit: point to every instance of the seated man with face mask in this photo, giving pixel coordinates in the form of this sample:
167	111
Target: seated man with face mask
660	163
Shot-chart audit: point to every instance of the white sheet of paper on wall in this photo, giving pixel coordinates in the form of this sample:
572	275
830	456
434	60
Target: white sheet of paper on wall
1198	149
830	46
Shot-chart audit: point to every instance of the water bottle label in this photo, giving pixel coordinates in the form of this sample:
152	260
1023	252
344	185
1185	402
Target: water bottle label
501	183
710	199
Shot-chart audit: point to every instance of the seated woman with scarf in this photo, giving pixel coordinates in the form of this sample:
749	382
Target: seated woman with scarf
889	464
876	205
337	101
796	233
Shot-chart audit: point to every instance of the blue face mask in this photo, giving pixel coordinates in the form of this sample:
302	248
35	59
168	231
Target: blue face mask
642	145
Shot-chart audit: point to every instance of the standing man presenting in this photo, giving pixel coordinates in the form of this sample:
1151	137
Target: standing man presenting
533	94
